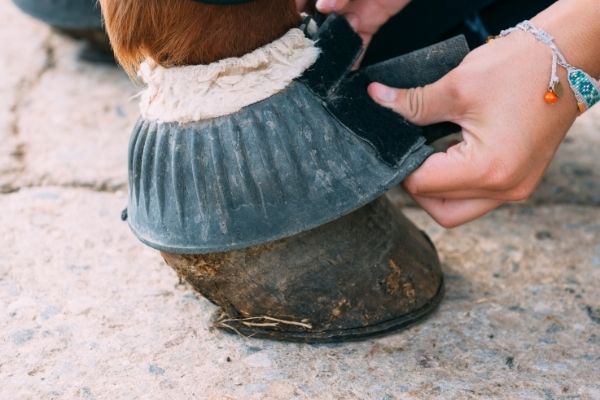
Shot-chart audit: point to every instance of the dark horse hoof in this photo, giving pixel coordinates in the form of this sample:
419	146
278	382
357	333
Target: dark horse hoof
369	273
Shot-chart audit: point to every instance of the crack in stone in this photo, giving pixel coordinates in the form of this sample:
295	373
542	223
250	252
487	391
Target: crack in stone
100	187
19	152
22	90
27	84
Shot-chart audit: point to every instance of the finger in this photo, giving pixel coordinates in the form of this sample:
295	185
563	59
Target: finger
517	190
328	6
472	170
373	14
455	170
504	195
520	192
425	105
452	213
354	21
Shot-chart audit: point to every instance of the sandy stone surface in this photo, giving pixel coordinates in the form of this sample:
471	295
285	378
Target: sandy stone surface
88	116
574	176
87	312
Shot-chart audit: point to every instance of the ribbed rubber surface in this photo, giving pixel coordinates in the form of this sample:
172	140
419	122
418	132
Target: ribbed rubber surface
270	171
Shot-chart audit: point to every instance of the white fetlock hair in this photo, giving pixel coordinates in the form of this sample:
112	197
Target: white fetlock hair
199	92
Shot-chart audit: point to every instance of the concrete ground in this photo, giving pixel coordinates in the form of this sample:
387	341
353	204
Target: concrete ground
87	312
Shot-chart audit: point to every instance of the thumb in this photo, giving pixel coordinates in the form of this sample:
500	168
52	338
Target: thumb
424	105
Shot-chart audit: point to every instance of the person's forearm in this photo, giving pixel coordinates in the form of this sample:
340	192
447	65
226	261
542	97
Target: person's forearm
575	24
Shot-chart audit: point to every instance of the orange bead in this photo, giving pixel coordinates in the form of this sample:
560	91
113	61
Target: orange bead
550	97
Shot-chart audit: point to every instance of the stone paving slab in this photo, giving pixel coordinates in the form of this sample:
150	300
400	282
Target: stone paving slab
67	122
88	312
16	76
574	176
83	116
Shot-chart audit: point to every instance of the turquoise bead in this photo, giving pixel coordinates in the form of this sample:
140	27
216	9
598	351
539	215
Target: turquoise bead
585	87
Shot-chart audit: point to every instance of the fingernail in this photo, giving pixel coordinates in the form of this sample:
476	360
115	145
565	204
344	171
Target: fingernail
326	5
383	93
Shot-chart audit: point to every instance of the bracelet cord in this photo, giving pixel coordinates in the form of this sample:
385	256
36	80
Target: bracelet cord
585	88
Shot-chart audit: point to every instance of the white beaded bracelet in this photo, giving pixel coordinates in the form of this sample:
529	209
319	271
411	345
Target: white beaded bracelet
585	88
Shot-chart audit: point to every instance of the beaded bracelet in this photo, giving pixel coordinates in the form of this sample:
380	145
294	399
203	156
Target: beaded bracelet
585	88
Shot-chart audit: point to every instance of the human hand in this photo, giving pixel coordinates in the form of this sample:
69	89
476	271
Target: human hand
510	135
365	16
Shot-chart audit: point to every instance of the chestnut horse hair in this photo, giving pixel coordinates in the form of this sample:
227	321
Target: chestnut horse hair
185	32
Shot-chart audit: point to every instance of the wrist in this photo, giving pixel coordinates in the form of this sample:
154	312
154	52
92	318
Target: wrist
534	59
574	25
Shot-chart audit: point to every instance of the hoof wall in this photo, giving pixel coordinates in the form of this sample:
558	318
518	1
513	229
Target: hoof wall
369	273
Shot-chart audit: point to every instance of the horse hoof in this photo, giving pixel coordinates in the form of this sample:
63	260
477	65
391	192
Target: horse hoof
369	273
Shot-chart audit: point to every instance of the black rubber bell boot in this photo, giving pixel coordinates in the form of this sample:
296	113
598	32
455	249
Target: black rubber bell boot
369	273
263	210
79	19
